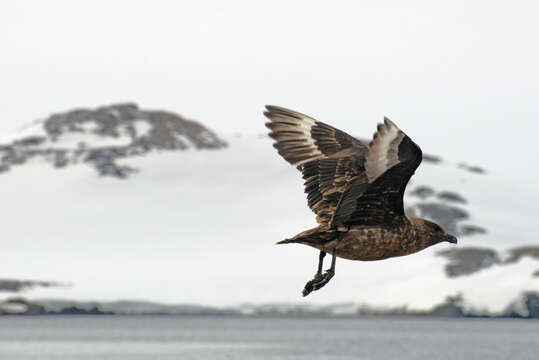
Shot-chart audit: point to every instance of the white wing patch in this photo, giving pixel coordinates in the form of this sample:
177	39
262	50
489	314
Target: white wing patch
305	126
293	135
383	150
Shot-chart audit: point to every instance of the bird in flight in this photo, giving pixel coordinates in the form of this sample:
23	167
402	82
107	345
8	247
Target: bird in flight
356	191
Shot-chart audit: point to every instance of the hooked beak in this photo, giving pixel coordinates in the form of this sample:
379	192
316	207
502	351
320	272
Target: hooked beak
450	238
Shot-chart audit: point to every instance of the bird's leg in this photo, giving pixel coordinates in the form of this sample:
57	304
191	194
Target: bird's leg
321	279
320	262
317	277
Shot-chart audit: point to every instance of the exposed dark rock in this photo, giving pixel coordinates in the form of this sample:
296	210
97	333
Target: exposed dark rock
422	191
126	307
516	254
446	215
468	260
60	159
73	310
474	169
131	131
532	304
31	141
452	307
467	230
432	158
12	285
451	196
447	310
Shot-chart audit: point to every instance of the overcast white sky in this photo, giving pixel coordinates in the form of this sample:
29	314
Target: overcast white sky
460	77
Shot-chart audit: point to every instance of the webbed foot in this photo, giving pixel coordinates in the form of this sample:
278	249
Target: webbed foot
318	282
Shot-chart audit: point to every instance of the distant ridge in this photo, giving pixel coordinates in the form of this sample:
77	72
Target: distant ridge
526	305
98	137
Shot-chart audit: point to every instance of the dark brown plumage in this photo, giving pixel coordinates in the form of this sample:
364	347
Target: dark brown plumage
355	191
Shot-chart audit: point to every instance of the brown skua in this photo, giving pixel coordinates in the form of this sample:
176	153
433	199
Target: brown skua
356	191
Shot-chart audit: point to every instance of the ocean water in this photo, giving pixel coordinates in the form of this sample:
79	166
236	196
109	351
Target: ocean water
215	338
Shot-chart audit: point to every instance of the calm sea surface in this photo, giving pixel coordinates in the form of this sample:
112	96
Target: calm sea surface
215	338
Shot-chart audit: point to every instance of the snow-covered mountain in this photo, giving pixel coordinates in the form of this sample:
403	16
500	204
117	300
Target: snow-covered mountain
100	137
198	221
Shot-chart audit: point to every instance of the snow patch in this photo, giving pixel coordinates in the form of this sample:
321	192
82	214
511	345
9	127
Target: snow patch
89	126
197	212
33	129
142	127
184	140
13	308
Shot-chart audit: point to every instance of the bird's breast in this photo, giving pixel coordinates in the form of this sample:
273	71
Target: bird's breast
375	243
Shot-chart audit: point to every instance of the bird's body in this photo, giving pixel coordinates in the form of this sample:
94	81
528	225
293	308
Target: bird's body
368	243
356	191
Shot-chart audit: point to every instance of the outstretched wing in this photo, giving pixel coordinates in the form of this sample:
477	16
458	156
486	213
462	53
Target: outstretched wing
390	163
329	159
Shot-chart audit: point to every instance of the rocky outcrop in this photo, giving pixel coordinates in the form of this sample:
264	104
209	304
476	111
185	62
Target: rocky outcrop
432	158
472	168
100	137
468	260
422	191
130	307
468	229
532	304
446	215
452	307
12	285
443	210
518	253
451	196
73	310
450	217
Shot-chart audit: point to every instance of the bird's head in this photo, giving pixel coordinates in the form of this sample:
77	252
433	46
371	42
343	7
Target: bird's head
438	234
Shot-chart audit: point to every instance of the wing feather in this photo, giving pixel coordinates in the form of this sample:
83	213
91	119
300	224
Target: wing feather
383	150
390	163
328	157
346	182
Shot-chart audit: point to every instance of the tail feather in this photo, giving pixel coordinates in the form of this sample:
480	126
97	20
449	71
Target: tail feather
288	241
310	237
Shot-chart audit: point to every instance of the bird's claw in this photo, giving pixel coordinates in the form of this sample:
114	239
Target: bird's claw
318	282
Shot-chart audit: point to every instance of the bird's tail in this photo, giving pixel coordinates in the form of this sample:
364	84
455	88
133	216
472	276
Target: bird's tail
313	236
288	241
